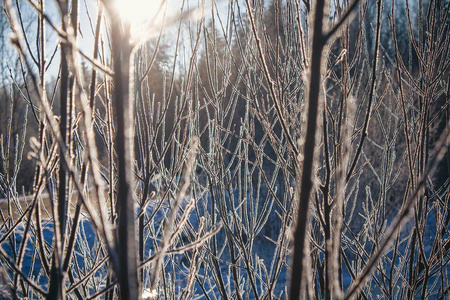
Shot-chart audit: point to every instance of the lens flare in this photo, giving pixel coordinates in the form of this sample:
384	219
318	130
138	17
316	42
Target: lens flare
141	14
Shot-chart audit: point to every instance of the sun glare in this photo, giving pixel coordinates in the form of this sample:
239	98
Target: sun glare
146	17
139	13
